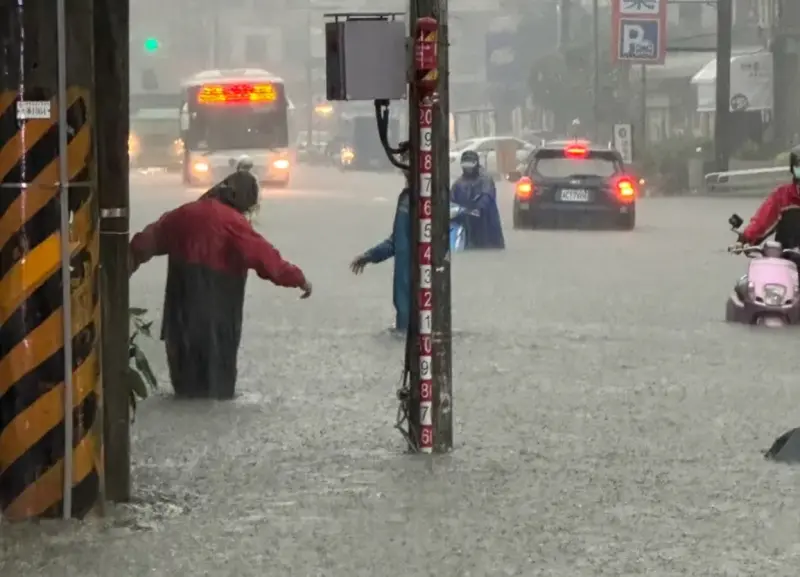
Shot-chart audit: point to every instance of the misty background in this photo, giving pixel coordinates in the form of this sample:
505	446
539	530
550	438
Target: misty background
517	67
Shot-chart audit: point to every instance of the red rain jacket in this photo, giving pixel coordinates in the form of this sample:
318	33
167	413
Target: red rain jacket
212	234
769	214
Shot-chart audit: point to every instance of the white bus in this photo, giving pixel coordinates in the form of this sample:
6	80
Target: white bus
229	113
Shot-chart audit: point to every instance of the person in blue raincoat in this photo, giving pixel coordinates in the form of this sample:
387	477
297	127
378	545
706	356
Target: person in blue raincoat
477	193
397	245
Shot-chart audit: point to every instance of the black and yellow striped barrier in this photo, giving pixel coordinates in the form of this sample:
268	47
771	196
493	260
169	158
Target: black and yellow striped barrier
32	427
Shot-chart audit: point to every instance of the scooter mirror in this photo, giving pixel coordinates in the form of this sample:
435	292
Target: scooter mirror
735	221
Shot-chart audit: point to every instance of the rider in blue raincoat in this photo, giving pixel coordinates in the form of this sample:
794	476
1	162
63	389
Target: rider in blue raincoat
397	245
477	193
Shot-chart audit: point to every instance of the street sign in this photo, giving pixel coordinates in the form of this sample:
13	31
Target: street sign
501	58
623	142
640	28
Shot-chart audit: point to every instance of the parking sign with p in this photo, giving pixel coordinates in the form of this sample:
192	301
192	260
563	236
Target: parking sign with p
639	31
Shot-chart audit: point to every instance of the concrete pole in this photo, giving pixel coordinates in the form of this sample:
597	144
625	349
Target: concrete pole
430	407
722	144
111	28
596	76
442	321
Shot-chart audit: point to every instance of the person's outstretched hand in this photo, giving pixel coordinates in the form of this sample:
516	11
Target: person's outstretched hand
132	264
306	288
358	264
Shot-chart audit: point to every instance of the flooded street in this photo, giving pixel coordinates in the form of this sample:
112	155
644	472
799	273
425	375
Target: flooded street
607	421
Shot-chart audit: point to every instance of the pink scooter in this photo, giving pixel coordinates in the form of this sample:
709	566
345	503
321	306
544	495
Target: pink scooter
768	294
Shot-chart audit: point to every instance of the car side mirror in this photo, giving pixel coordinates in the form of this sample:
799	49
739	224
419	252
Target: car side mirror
514	176
735	221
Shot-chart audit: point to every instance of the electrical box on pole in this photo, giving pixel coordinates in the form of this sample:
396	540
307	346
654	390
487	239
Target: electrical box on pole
365	57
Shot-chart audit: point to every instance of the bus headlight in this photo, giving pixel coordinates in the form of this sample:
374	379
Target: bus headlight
133	146
347	155
200	167
281	164
177	147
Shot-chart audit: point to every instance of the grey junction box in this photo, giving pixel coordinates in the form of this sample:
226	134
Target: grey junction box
365	59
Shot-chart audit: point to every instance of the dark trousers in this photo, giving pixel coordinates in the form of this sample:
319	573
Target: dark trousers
201	372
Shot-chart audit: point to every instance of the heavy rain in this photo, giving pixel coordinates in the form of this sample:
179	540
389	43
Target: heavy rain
607	419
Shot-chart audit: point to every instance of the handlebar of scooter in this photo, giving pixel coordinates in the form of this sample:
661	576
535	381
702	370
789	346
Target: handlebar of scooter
751	251
456	210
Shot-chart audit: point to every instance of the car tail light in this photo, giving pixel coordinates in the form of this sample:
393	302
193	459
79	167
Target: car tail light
525	188
576	151
625	189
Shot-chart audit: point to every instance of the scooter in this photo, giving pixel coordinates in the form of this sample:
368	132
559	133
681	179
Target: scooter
458	234
768	294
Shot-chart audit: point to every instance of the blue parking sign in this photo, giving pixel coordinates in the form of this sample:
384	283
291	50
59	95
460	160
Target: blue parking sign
639	40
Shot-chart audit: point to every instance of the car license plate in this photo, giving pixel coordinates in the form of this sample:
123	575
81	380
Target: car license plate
574	195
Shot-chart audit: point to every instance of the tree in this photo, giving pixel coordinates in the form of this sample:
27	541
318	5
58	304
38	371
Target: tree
562	82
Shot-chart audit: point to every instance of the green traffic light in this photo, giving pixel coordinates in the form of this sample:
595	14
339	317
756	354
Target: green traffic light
151	45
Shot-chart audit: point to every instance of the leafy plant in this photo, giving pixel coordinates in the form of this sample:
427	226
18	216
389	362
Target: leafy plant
140	375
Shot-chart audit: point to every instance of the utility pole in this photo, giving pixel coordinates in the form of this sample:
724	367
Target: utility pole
442	321
430	406
309	75
111	29
596	78
723	101
51	433
214	14
564	24
643	110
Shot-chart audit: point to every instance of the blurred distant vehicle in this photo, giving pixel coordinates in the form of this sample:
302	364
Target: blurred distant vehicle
360	146
315	151
574	182
227	114
486	147
154	138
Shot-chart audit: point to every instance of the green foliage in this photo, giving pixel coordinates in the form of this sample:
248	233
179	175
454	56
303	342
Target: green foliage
142	380
753	151
563	83
667	162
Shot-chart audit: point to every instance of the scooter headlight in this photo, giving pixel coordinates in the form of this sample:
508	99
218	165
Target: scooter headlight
774	294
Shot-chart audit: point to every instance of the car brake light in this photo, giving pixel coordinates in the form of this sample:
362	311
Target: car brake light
625	189
525	188
576	151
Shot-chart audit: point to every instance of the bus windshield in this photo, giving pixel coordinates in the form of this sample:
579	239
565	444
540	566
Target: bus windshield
236	127
237	116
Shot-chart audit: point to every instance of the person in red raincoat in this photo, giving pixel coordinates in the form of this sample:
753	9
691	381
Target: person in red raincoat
211	246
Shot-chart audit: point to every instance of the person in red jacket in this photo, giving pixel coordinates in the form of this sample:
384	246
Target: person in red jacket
779	213
211	246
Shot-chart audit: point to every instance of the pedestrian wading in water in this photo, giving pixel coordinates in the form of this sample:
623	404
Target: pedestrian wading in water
398	246
211	246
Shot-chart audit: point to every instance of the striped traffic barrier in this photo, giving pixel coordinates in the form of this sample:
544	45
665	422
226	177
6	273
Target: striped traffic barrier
33	428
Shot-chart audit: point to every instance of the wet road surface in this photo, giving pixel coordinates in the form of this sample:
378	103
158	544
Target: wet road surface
607	421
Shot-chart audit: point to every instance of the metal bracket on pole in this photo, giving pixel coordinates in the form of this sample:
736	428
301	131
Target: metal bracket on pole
66	292
113	213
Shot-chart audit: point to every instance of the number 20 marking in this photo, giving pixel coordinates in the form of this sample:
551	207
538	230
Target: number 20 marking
426	117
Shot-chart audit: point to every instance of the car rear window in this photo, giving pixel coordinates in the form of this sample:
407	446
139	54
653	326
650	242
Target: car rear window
555	164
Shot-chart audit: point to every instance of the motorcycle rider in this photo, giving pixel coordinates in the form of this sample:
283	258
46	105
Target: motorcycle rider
477	193
779	213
